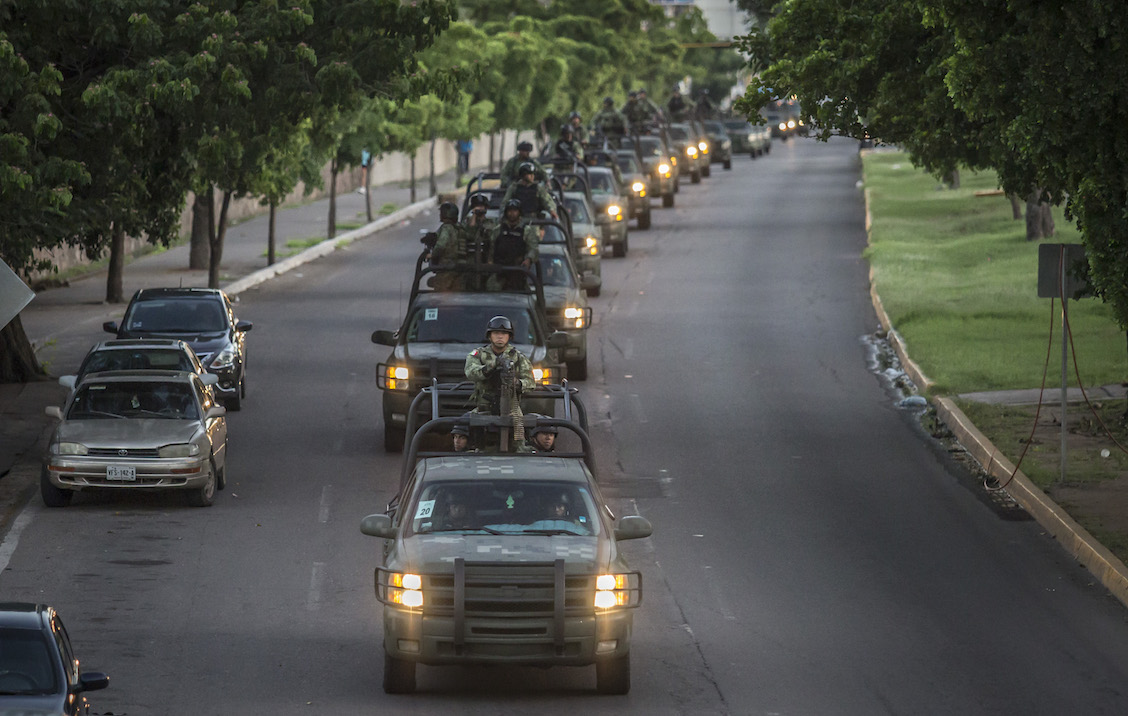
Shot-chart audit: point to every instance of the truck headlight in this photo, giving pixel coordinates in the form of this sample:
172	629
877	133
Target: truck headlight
614	210
396	377
664	168
791	124
179	450
703	146
592	245
638	187
576	315
405	590
70	449
617	590
225	359
543	376
691	151
783	126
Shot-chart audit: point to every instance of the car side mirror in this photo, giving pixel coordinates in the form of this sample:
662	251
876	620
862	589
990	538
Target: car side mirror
216	411
92	681
243	326
110	327
384	338
633	527
68	381
590	281
559	339
209	378
54	411
378	526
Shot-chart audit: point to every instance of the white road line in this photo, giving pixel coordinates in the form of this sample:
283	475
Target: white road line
12	539
316	581
636	403
323	510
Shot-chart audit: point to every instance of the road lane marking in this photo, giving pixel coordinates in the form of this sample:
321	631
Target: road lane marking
316	581
12	539
323	510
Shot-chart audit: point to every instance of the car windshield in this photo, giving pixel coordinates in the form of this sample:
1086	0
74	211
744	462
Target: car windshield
601	183
508	507
628	164
714	128
677	132
465	324
137	359
551	234
650	146
176	315
128	399
738	125
555	270
27	666
577	210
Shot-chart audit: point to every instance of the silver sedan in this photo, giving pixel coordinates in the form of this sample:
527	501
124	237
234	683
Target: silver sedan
137	429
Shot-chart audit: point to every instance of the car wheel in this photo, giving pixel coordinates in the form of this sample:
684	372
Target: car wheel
728	163
644	219
577	370
613	676
221	478
235	403
394	439
695	177
399	676
668	200
706	171
53	496
204	496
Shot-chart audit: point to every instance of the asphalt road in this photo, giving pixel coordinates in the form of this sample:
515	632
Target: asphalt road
813	552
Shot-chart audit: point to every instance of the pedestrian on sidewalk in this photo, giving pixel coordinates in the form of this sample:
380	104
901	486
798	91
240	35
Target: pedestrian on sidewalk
365	160
464	148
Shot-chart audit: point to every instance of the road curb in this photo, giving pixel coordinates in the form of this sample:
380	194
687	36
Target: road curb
326	247
1111	572
1077	541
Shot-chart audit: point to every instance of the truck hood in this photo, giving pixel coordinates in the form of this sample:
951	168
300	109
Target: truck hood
455	351
436	552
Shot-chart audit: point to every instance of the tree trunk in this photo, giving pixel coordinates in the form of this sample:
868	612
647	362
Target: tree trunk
954	179
217	241
1016	206
333	169
18	363
366	183
271	233
492	147
413	177
116	268
434	186
201	233
1039	217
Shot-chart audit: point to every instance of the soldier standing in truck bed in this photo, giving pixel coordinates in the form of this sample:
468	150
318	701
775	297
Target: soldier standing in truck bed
512	243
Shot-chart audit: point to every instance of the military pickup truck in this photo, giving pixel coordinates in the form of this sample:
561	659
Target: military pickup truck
494	557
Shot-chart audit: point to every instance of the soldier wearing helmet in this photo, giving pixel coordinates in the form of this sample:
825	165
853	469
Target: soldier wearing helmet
532	194
460	435
512	242
485	366
610	123
510	173
477	227
568	147
542	438
450	248
579	133
653	113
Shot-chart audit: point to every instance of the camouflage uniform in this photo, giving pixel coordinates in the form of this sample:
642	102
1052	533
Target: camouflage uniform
509	173
450	249
636	113
680	108
610	123
534	198
482	368
477	235
653	112
510	245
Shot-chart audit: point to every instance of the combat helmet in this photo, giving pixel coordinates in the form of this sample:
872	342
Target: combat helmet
448	211
499	323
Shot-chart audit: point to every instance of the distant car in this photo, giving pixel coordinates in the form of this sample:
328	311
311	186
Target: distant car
566	305
205	319
140	354
150	429
634	175
39	673
610	199
659	170
722	145
582	215
684	141
747	138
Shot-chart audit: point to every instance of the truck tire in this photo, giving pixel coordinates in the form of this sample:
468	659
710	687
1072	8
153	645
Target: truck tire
728	163
577	370
53	496
394	439
613	676
399	676
695	177
668	200
644	219
706	170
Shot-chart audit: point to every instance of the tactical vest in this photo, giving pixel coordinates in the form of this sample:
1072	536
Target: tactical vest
509	248
527	195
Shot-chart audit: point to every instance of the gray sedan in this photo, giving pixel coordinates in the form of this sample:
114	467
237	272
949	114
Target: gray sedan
137	429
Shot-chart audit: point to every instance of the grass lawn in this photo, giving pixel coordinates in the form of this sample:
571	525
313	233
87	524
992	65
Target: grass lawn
959	282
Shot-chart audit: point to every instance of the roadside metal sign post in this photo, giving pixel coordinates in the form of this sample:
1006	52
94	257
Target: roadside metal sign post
1062	271
14	294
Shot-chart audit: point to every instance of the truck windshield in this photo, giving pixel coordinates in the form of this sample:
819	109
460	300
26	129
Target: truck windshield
507	507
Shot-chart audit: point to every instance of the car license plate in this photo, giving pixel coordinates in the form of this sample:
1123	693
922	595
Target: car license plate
120	472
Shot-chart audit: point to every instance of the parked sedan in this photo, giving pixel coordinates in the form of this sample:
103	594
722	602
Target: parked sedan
202	317
137	429
140	354
39	673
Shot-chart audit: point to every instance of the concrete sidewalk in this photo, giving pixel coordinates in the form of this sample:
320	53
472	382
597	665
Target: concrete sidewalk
60	321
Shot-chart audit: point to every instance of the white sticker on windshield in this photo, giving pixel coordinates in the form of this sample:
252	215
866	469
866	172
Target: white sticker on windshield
426	507
431	314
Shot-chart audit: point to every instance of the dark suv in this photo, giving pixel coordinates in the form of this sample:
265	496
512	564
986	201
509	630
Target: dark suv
204	319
